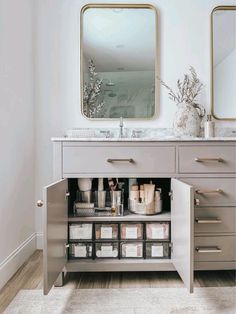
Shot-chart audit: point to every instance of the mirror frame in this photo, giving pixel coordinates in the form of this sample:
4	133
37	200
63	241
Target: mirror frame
157	57
221	7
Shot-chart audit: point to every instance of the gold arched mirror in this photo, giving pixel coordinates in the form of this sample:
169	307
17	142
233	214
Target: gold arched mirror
118	61
223	56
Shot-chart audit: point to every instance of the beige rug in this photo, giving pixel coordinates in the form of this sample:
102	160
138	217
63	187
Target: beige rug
128	301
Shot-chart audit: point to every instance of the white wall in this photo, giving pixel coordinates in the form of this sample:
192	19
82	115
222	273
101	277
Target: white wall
184	32
224	91
17	211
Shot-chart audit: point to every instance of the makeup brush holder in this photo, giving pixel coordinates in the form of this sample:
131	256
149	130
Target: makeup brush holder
117	203
152	208
84	204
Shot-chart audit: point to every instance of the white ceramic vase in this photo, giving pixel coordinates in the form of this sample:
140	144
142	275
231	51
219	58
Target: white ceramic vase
187	120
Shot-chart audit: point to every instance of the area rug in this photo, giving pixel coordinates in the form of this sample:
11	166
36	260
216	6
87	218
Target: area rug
128	301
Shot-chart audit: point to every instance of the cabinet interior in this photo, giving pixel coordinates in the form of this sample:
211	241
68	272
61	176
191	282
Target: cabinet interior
121	244
162	183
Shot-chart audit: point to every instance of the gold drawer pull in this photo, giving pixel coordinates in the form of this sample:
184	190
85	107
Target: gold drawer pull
208	220
197	159
209	191
214	249
111	160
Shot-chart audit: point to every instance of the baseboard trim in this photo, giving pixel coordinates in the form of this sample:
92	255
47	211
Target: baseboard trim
39	240
12	263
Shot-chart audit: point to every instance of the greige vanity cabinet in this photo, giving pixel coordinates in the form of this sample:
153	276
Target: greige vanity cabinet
203	203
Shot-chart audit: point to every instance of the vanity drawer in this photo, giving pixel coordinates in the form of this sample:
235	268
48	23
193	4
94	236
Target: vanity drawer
210	249
120	160
207	159
215	220
214	191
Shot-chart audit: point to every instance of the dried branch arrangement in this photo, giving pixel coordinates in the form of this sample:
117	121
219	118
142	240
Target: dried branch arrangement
187	90
91	92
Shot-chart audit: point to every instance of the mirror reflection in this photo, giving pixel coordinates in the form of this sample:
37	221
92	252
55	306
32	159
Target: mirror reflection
224	62
118	62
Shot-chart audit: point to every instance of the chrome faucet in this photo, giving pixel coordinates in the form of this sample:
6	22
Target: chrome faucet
121	127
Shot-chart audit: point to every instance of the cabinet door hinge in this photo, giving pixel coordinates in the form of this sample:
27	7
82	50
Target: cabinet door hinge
171	195
67	194
66	247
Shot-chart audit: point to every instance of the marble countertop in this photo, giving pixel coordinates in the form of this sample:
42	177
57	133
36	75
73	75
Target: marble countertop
139	135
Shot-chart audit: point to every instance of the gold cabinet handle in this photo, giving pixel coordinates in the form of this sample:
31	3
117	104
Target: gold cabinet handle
66	247
111	160
40	203
209	191
219	159
208	220
203	249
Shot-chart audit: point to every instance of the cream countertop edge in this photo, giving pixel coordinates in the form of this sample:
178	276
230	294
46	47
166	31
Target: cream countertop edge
143	140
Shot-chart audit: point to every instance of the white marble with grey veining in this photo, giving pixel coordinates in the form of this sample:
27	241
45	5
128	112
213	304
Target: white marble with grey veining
139	135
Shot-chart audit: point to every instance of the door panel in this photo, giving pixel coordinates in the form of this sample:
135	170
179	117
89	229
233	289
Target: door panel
55	232
182	224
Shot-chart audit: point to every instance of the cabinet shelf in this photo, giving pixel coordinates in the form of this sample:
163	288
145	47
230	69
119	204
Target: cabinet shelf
165	216
106	265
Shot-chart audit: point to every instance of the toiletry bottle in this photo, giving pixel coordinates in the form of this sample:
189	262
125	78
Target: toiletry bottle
209	127
141	194
101	194
121	187
132	181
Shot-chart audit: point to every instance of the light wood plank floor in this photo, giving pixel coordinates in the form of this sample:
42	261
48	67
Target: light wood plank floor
29	276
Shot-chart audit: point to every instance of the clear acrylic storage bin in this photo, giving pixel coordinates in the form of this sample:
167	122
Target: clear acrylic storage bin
131	249
107	250
157	250
106	231
131	231
141	208
81	231
81	250
158	231
84	204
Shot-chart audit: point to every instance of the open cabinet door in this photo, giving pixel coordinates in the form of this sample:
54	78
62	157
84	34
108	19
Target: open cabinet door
182	224
55	232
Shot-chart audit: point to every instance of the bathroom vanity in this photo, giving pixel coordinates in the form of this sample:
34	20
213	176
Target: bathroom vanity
202	213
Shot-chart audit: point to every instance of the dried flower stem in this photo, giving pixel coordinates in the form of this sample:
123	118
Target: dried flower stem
187	90
91	92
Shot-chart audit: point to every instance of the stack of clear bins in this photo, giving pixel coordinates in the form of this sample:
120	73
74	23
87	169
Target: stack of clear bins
157	240
81	245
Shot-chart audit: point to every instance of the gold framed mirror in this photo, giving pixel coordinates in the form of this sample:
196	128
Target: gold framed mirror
223	63
118	61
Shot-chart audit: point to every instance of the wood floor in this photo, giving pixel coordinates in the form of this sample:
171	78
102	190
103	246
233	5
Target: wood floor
29	276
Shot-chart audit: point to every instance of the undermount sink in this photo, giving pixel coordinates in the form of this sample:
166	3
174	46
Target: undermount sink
106	133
